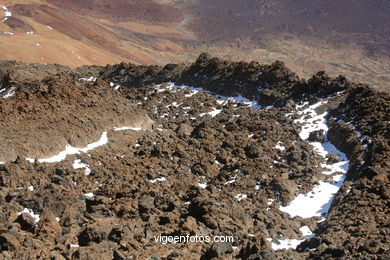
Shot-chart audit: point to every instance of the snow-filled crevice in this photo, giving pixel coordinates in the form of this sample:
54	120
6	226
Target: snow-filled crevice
71	150
316	202
193	91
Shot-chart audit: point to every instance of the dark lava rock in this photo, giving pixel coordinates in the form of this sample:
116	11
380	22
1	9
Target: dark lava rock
184	129
317	136
26	221
188	172
9	242
333	158
219	250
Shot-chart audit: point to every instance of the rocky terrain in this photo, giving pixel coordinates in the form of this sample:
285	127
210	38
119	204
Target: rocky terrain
98	161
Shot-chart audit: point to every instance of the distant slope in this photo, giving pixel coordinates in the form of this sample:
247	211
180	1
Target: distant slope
342	37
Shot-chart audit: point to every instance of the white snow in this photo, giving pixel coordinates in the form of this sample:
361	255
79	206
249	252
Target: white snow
73	245
286	244
311	120
8	33
49	27
124	128
318	201
75	150
161	179
279	146
292	243
30	160
221	102
77	164
202	185
30	33
217	162
175	104
89	195
230	182
306	232
116	87
241	196
89	79
30	188
87	171
10	93
31	213
193	91
212	113
233	180
7	13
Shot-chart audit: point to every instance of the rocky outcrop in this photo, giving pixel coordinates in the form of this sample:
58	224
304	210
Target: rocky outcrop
43	117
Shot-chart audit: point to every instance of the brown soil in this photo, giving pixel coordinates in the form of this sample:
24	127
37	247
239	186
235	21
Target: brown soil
342	37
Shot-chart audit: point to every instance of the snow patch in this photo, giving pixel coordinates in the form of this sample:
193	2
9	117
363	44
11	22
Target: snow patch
90	79
286	244
241	196
318	201
212	113
77	164
10	93
306	232
115	86
75	150
124	128
279	146
31	213
292	243
7	13
202	185
160	179
30	160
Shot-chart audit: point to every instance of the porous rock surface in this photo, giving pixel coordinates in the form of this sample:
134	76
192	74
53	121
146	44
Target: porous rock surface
179	169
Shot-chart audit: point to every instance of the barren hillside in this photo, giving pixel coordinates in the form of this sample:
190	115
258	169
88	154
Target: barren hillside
342	37
110	162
